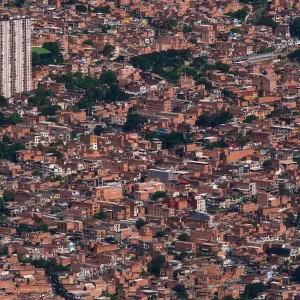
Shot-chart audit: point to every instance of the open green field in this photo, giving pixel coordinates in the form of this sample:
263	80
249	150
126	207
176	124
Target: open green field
40	50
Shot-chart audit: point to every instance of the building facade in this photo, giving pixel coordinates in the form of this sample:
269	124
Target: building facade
15	59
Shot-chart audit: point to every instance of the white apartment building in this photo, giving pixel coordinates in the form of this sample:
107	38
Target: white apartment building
15	58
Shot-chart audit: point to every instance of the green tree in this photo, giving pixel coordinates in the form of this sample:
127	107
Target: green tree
156	264
43	227
2	119
181	291
160	234
8	196
193	41
51	266
8	151
88	43
170	140
51	110
158	194
14	118
204	81
214	120
251	118
4	251
183	237
114	93
240	14
108	50
295	27
253	289
204	120
36	59
267	21
99	129
41	97
52	47
267	163
81	8
2	101
55	57
102	9
140	223
100	215
186	29
134	122
5	139
199	62
294	56
242	138
181	256
108	77
24	228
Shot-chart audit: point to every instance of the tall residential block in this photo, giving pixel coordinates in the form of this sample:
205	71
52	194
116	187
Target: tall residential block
15	59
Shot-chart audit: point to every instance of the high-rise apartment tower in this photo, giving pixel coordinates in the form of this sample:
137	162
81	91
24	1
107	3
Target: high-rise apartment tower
15	59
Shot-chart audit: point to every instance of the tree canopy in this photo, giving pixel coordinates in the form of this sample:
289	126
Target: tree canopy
51	266
251	118
44	59
164	63
108	50
170	140
181	291
267	21
98	130
41	97
156	264
8	151
295	28
2	101
183	237
253	289
43	227
134	122
214	120
294	56
297	274
140	223
158	194
104	89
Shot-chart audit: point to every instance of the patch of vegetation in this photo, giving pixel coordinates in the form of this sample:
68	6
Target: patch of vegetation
295	28
48	54
134	122
156	264
294	56
51	266
102	9
100	215
214	120
181	291
240	14
183	237
172	139
103	89
140	223
251	118
8	151
158	194
165	63
267	21
41	97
